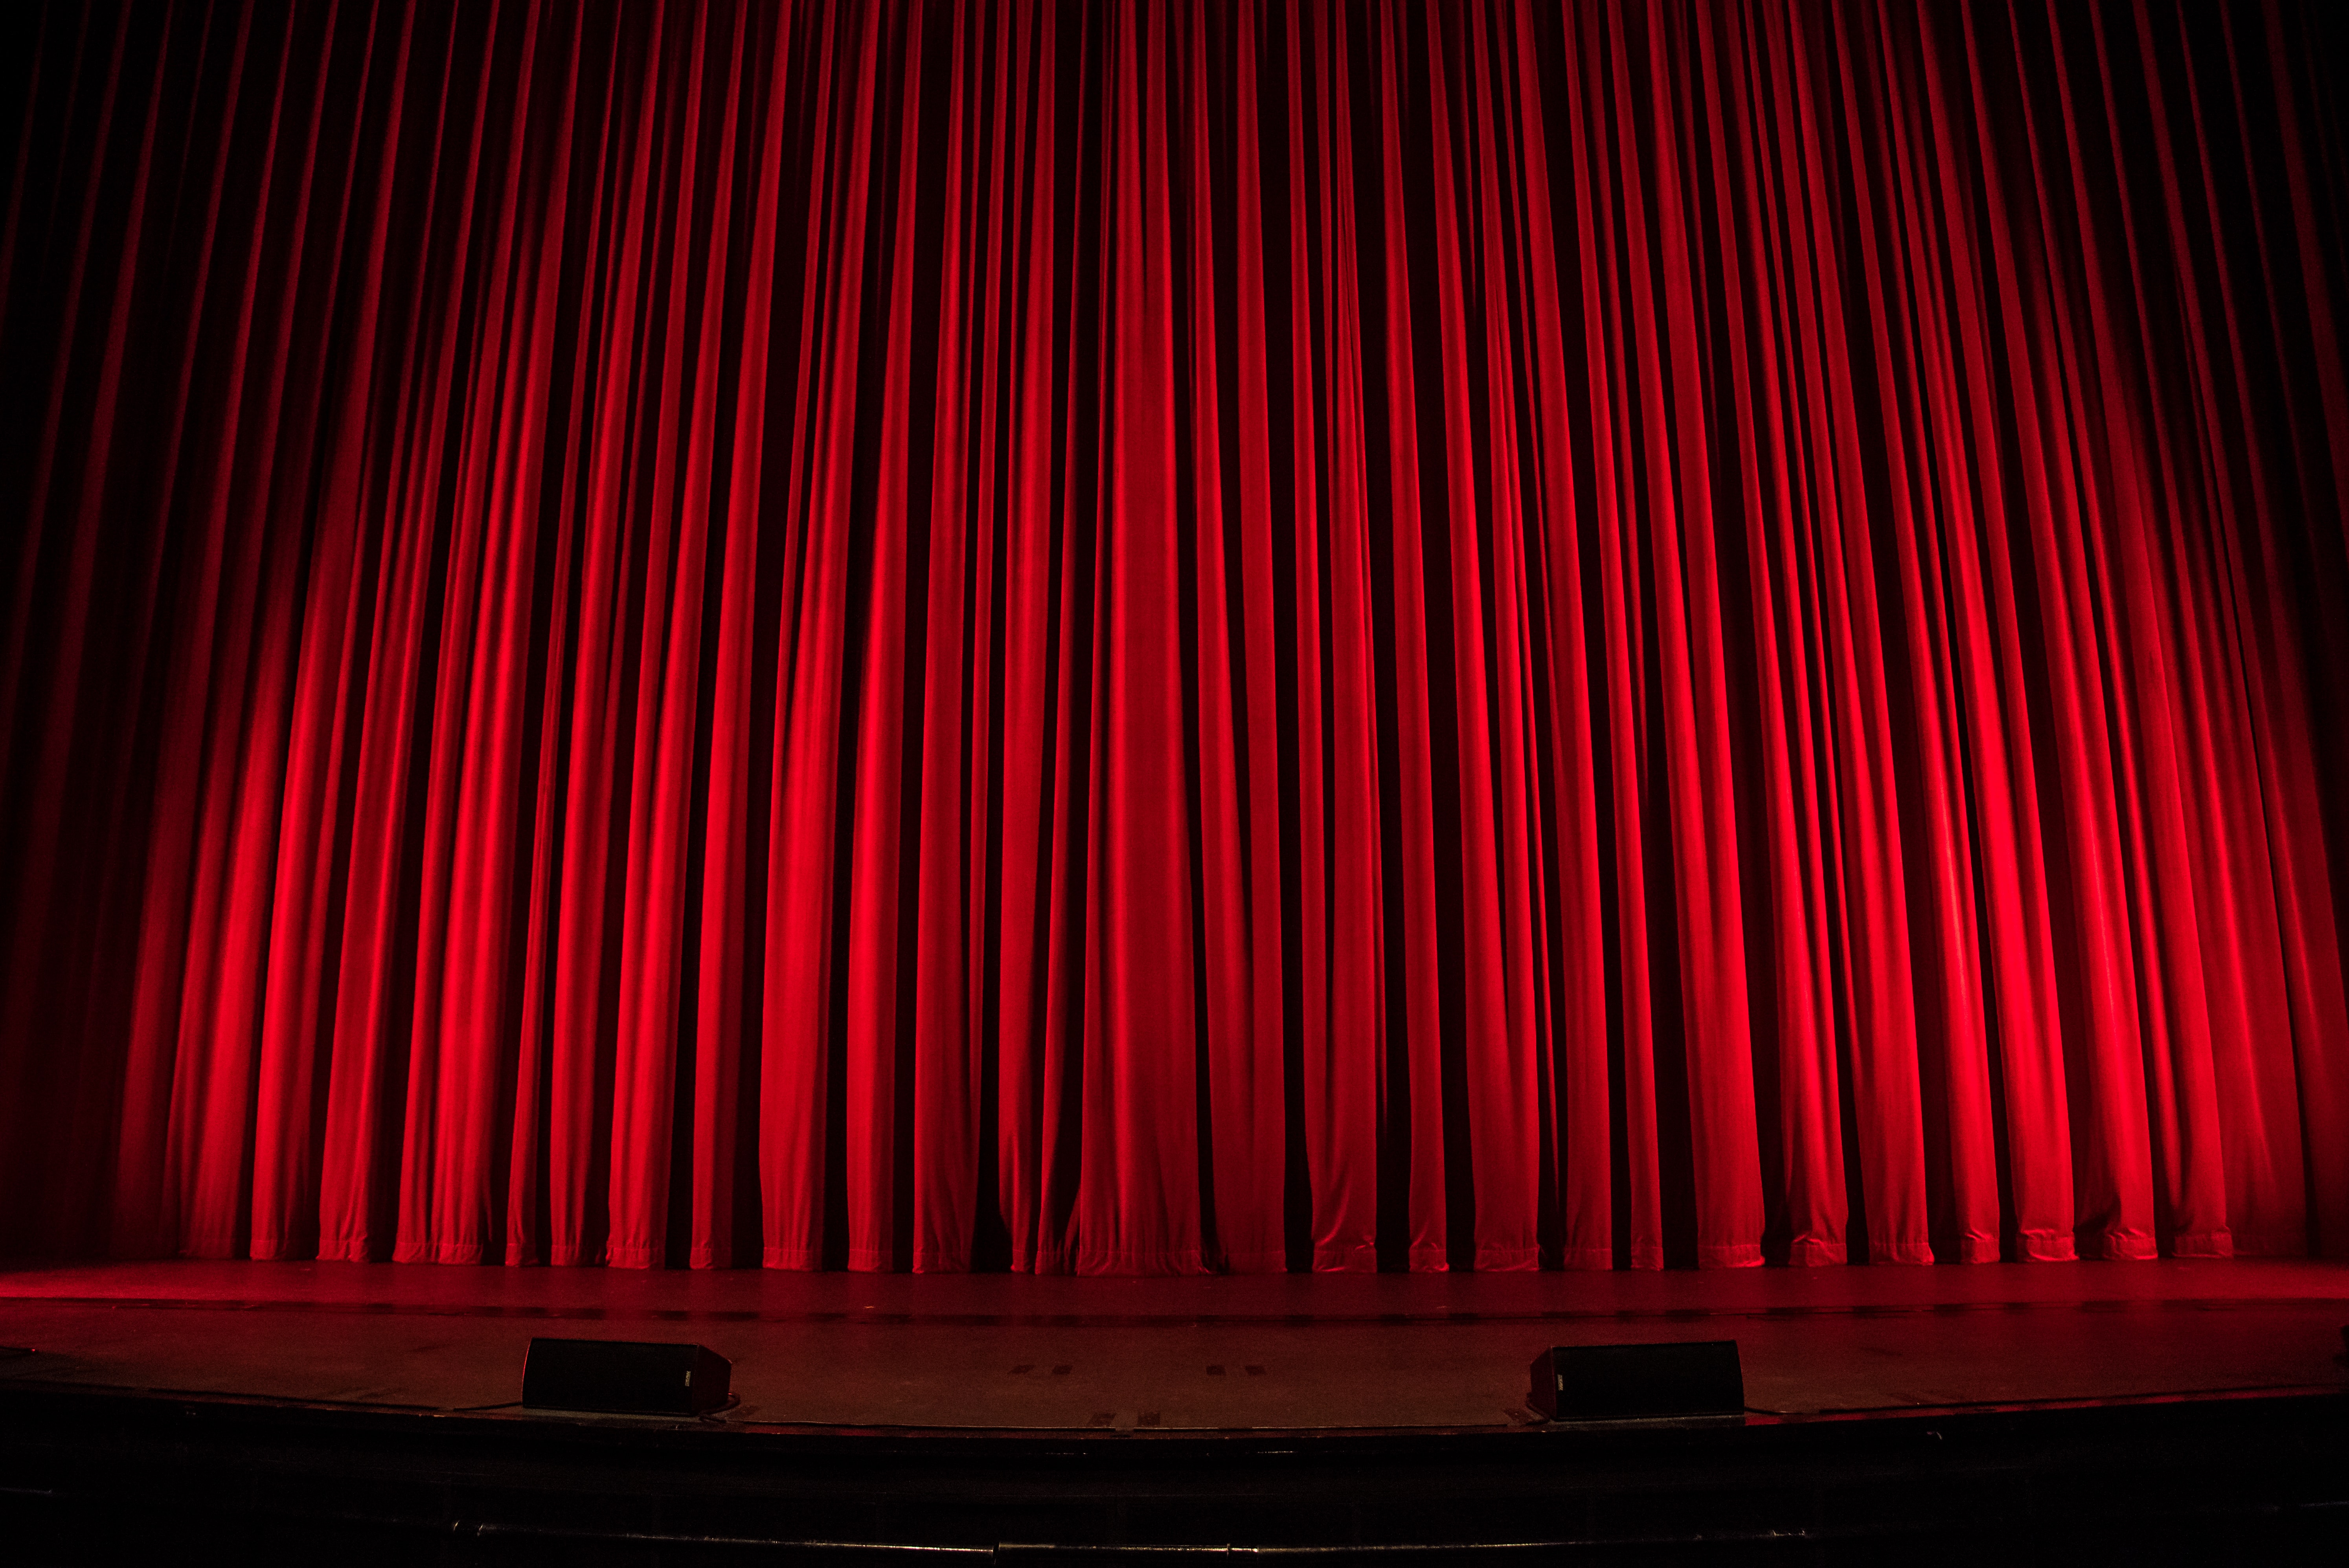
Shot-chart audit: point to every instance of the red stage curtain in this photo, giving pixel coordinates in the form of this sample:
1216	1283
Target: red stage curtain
1150	638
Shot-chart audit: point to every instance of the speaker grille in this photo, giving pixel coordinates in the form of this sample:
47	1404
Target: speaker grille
1631	1382
623	1377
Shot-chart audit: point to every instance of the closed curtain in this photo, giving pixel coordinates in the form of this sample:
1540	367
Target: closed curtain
1152	638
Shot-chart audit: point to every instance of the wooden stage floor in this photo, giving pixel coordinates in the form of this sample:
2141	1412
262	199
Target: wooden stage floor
1117	1357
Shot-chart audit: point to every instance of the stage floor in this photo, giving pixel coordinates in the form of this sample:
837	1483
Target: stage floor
1115	1356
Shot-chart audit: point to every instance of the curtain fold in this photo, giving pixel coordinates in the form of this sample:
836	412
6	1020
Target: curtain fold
1162	638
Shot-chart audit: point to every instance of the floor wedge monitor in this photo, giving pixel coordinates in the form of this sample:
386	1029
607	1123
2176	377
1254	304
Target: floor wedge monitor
1636	1382
623	1377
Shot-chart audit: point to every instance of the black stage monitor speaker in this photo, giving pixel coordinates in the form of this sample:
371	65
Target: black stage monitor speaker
623	1377
1634	1382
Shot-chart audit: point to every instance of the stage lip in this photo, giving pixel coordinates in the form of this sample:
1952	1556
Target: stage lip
1526	1428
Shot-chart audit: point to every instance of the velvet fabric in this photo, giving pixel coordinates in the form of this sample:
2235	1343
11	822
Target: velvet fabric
1151	638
